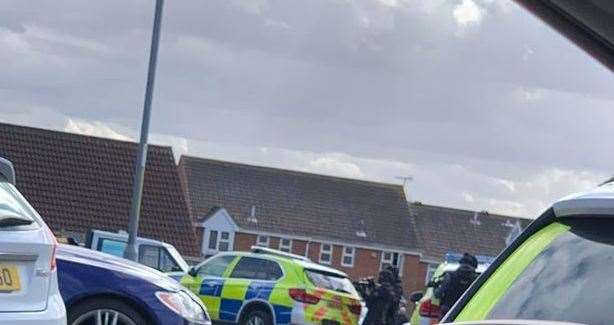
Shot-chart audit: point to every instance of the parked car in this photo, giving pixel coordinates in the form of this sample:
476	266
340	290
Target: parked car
28	275
557	270
156	254
267	286
100	288
427	309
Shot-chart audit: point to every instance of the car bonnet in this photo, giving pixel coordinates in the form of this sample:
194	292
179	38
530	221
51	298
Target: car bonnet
113	263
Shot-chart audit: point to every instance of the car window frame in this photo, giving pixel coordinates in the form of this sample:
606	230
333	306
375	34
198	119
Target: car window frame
142	247
283	274
211	259
547	217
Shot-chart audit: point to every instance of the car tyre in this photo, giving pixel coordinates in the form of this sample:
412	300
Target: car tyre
257	316
107	309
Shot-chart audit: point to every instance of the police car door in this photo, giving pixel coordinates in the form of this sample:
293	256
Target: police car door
252	279
209	282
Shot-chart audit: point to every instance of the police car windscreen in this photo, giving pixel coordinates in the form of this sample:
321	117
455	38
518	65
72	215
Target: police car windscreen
331	281
570	280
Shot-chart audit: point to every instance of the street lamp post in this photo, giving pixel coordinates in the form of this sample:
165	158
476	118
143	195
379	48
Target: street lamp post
139	166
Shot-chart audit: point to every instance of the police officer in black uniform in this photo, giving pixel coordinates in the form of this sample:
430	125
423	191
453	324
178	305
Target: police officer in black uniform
456	283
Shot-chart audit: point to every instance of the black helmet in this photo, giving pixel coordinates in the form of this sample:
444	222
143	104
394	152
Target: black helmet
469	260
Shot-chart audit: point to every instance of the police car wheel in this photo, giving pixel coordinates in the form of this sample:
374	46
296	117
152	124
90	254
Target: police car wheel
103	311
257	317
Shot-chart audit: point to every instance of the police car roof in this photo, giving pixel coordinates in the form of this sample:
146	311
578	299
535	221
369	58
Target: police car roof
303	262
453	266
599	201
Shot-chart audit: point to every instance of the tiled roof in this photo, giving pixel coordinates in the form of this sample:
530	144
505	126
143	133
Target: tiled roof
297	203
80	182
441	230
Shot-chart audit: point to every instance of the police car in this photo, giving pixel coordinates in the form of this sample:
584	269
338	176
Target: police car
267	286
427	309
559	269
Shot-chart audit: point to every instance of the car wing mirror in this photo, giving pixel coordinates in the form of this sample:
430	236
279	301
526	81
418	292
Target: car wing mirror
193	271
416	296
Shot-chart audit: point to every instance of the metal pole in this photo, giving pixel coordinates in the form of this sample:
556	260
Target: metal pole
139	167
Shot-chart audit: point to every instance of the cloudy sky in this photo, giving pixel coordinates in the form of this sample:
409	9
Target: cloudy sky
485	106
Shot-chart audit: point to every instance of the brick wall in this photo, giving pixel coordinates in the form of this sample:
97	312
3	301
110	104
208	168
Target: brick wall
366	261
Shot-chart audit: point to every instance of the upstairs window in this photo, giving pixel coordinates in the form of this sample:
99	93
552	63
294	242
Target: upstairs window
391	259
285	245
326	253
219	241
262	241
347	259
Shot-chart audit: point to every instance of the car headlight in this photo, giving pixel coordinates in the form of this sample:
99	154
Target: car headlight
184	305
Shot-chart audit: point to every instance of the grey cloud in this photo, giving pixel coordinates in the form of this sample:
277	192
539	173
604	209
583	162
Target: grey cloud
504	98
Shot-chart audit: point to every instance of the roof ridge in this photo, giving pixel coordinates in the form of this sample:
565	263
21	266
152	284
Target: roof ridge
431	206
39	129
291	171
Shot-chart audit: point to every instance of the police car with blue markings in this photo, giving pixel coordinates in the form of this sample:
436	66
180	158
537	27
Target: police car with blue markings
267	286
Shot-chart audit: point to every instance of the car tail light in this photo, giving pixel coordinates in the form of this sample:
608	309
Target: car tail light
355	309
53	263
428	309
301	295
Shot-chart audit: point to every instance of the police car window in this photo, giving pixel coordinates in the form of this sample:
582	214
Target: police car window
149	255
257	269
330	281
215	266
568	281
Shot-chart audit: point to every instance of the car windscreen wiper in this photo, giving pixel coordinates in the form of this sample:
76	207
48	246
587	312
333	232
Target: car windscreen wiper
14	220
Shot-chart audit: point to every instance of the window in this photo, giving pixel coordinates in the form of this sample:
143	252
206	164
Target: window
149	255
113	247
257	269
430	271
262	241
285	245
15	204
213	239
326	253
168	263
566	281
391	259
330	281
216	266
222	244
348	256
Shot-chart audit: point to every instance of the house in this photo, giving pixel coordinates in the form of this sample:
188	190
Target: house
79	182
353	225
440	230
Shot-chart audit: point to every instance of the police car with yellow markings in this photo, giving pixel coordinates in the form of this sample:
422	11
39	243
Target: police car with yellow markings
265	287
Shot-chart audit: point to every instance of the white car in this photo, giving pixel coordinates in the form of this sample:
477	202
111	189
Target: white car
153	253
28	275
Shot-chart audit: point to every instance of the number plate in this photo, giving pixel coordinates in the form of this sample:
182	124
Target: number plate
9	278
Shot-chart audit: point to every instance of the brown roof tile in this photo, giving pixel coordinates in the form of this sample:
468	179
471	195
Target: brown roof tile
297	203
80	182
441	230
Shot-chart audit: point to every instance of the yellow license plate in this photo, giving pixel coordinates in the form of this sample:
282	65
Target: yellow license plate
9	278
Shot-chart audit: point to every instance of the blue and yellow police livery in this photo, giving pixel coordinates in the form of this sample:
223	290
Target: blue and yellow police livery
271	287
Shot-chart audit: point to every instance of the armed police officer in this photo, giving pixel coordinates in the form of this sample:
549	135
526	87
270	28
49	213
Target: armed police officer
456	283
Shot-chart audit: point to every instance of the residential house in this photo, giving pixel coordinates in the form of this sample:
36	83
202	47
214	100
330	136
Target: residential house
79	182
440	230
353	225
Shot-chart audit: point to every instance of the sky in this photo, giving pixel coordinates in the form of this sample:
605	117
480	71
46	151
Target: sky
481	103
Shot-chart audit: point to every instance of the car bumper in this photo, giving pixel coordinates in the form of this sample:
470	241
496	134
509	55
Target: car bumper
55	314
